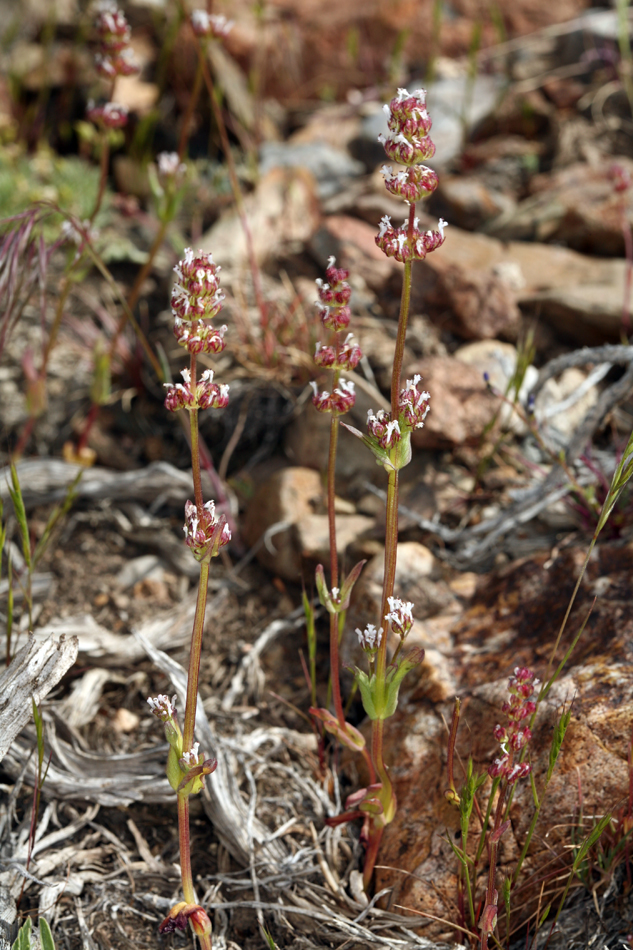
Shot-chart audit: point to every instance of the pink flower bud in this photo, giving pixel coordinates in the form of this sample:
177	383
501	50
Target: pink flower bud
335	318
341	400
381	428
179	395
499	733
182	914
196	294
412	183
407	151
498	767
109	116
407	112
199	337
334	297
520	738
205	532
113	31
518	771
413	405
209	395
324	356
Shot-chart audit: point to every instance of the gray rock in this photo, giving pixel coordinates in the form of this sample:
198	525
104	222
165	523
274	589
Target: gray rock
448	100
332	167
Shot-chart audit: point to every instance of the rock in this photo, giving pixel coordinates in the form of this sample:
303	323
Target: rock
456	106
284	499
335	124
461	403
307	440
555	410
293	499
498	361
332	167
575	206
468	202
514	619
353	244
282	210
314	539
577	295
418	579
146	567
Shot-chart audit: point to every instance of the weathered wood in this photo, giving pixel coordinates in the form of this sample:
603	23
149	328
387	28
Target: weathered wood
32	674
8	914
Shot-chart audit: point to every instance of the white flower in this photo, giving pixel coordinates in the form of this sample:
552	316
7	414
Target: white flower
400	616
162	706
191	757
369	638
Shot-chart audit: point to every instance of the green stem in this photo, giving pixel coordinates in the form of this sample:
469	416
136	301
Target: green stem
331	496
387	795
334	671
194	658
185	849
103	177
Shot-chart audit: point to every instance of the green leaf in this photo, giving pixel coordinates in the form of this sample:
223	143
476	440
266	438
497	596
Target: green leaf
39	729
366	684
394	677
57	514
324	593
23	939
591	839
348	585
557	741
46	937
20	514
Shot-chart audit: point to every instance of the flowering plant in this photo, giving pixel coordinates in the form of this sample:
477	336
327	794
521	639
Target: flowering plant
388	437
196	300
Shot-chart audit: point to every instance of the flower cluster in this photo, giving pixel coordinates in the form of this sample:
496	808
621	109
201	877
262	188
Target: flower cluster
408	244
115	56
196	294
400	616
210	24
380	427
205	532
339	356
346	357
390	439
369	638
162	707
109	115
182	914
412	184
408	143
204	395
413	405
515	736
170	168
190	759
340	400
